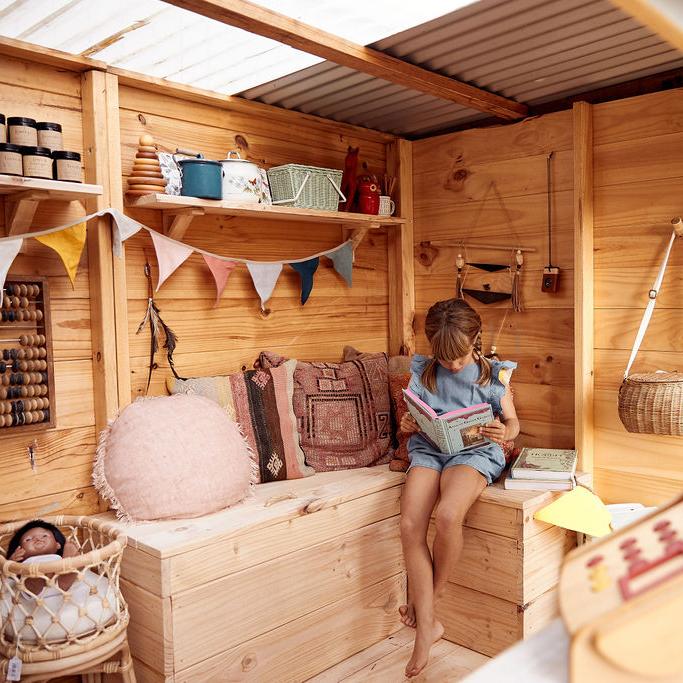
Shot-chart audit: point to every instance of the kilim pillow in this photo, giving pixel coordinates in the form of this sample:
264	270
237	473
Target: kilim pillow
261	403
342	411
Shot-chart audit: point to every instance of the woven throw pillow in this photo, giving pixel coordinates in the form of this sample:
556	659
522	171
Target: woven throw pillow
260	401
342	410
172	456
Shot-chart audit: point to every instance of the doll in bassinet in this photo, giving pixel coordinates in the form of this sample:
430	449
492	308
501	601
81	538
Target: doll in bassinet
39	541
82	601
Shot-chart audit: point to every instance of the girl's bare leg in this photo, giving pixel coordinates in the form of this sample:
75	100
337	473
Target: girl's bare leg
419	495
461	485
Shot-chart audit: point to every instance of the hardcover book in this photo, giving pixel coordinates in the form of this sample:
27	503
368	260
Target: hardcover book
455	431
545	484
544	463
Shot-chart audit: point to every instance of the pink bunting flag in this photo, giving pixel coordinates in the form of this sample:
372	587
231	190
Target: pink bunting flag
220	269
170	255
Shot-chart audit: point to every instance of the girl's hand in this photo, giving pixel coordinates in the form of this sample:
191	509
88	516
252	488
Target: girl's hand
494	431
18	555
408	424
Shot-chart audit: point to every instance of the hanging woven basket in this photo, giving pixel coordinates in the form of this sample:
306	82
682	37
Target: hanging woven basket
652	403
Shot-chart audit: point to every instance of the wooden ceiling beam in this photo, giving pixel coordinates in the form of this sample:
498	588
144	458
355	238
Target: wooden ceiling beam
264	22
664	17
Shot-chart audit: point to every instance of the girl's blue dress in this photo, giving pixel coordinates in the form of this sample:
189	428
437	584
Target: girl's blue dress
459	390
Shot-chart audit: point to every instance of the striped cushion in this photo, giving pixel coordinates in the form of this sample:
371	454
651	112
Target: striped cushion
260	401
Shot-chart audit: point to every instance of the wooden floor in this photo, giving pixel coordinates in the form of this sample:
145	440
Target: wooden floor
386	661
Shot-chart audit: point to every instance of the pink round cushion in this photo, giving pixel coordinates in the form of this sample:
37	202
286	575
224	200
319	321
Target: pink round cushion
172	456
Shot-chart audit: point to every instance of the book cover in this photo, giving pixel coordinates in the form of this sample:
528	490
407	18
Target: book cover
454	431
544	484
544	463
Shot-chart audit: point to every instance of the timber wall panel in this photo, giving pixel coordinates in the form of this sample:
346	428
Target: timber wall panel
61	482
454	201
638	144
224	338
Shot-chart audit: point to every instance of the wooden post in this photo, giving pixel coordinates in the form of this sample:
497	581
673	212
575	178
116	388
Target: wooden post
400	256
583	284
101	162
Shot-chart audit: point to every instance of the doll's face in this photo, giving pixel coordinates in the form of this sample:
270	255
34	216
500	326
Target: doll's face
39	541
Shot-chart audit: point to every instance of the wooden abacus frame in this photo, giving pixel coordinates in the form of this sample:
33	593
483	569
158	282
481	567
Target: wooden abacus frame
31	327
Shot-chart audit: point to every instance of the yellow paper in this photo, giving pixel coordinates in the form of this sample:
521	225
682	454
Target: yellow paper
578	510
69	245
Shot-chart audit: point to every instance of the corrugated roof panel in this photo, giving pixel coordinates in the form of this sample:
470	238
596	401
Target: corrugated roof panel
528	50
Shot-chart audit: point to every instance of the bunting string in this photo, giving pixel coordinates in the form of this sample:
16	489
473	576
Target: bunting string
68	239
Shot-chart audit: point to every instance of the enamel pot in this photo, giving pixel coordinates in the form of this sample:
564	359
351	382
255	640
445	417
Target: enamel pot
200	178
241	179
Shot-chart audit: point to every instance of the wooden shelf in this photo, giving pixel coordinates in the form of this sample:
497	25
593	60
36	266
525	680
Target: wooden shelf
183	209
23	195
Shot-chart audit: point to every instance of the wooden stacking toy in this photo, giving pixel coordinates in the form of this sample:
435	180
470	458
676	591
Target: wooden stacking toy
146	176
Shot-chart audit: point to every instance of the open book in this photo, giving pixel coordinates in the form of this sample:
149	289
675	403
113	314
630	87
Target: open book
452	432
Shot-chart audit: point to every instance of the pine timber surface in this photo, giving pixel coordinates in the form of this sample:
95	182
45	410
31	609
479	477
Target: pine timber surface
62	480
335	534
454	201
224	338
636	176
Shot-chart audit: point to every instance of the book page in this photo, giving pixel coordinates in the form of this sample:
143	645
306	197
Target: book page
463	433
432	429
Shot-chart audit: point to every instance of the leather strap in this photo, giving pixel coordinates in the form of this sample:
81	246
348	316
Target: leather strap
652	294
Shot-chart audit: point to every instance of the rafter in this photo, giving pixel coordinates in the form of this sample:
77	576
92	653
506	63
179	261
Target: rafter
264	22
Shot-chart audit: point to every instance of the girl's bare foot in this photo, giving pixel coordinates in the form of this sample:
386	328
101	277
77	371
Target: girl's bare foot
424	639
407	613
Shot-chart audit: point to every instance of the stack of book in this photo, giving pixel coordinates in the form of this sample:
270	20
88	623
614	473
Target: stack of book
543	469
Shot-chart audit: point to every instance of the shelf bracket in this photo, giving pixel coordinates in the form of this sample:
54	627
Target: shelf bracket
20	210
357	234
177	223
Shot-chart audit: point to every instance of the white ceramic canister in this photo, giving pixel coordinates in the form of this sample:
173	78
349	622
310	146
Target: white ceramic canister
241	179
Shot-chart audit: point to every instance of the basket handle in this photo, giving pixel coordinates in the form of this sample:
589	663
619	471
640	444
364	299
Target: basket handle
652	294
298	194
334	185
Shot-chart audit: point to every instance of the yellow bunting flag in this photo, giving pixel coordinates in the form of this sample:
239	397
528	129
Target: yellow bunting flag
578	510
69	245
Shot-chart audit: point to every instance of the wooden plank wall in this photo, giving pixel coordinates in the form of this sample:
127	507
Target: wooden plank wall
638	178
455	200
223	339
61	483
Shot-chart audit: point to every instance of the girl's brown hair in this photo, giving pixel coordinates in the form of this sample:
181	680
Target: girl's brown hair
453	328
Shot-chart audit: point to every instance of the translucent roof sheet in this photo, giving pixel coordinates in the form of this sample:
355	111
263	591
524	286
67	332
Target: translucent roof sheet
157	39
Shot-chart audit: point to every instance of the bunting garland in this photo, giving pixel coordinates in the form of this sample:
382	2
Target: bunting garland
68	241
221	272
8	252
69	245
170	255
306	270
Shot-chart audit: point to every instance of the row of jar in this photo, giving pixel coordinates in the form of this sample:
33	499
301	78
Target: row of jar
26	132
40	162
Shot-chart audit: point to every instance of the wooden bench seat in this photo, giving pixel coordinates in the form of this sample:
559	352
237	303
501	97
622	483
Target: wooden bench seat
308	572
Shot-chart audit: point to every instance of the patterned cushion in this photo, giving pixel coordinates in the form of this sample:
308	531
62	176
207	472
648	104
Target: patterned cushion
261	403
342	410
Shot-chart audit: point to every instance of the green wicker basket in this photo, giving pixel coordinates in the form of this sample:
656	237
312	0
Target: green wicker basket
306	187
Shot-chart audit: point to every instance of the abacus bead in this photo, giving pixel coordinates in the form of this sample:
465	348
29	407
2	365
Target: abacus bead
3	393
15	290
15	301
3	366
39	315
42	353
23	302
23	339
23	290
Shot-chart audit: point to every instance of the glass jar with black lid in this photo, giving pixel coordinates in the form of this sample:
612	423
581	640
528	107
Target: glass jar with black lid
10	159
50	135
68	166
22	131
37	162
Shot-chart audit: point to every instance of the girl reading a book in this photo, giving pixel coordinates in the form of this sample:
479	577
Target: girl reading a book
456	375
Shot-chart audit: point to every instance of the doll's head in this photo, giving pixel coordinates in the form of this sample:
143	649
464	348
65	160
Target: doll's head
37	538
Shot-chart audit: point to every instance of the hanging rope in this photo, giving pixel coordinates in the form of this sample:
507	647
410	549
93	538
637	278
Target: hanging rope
517	282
